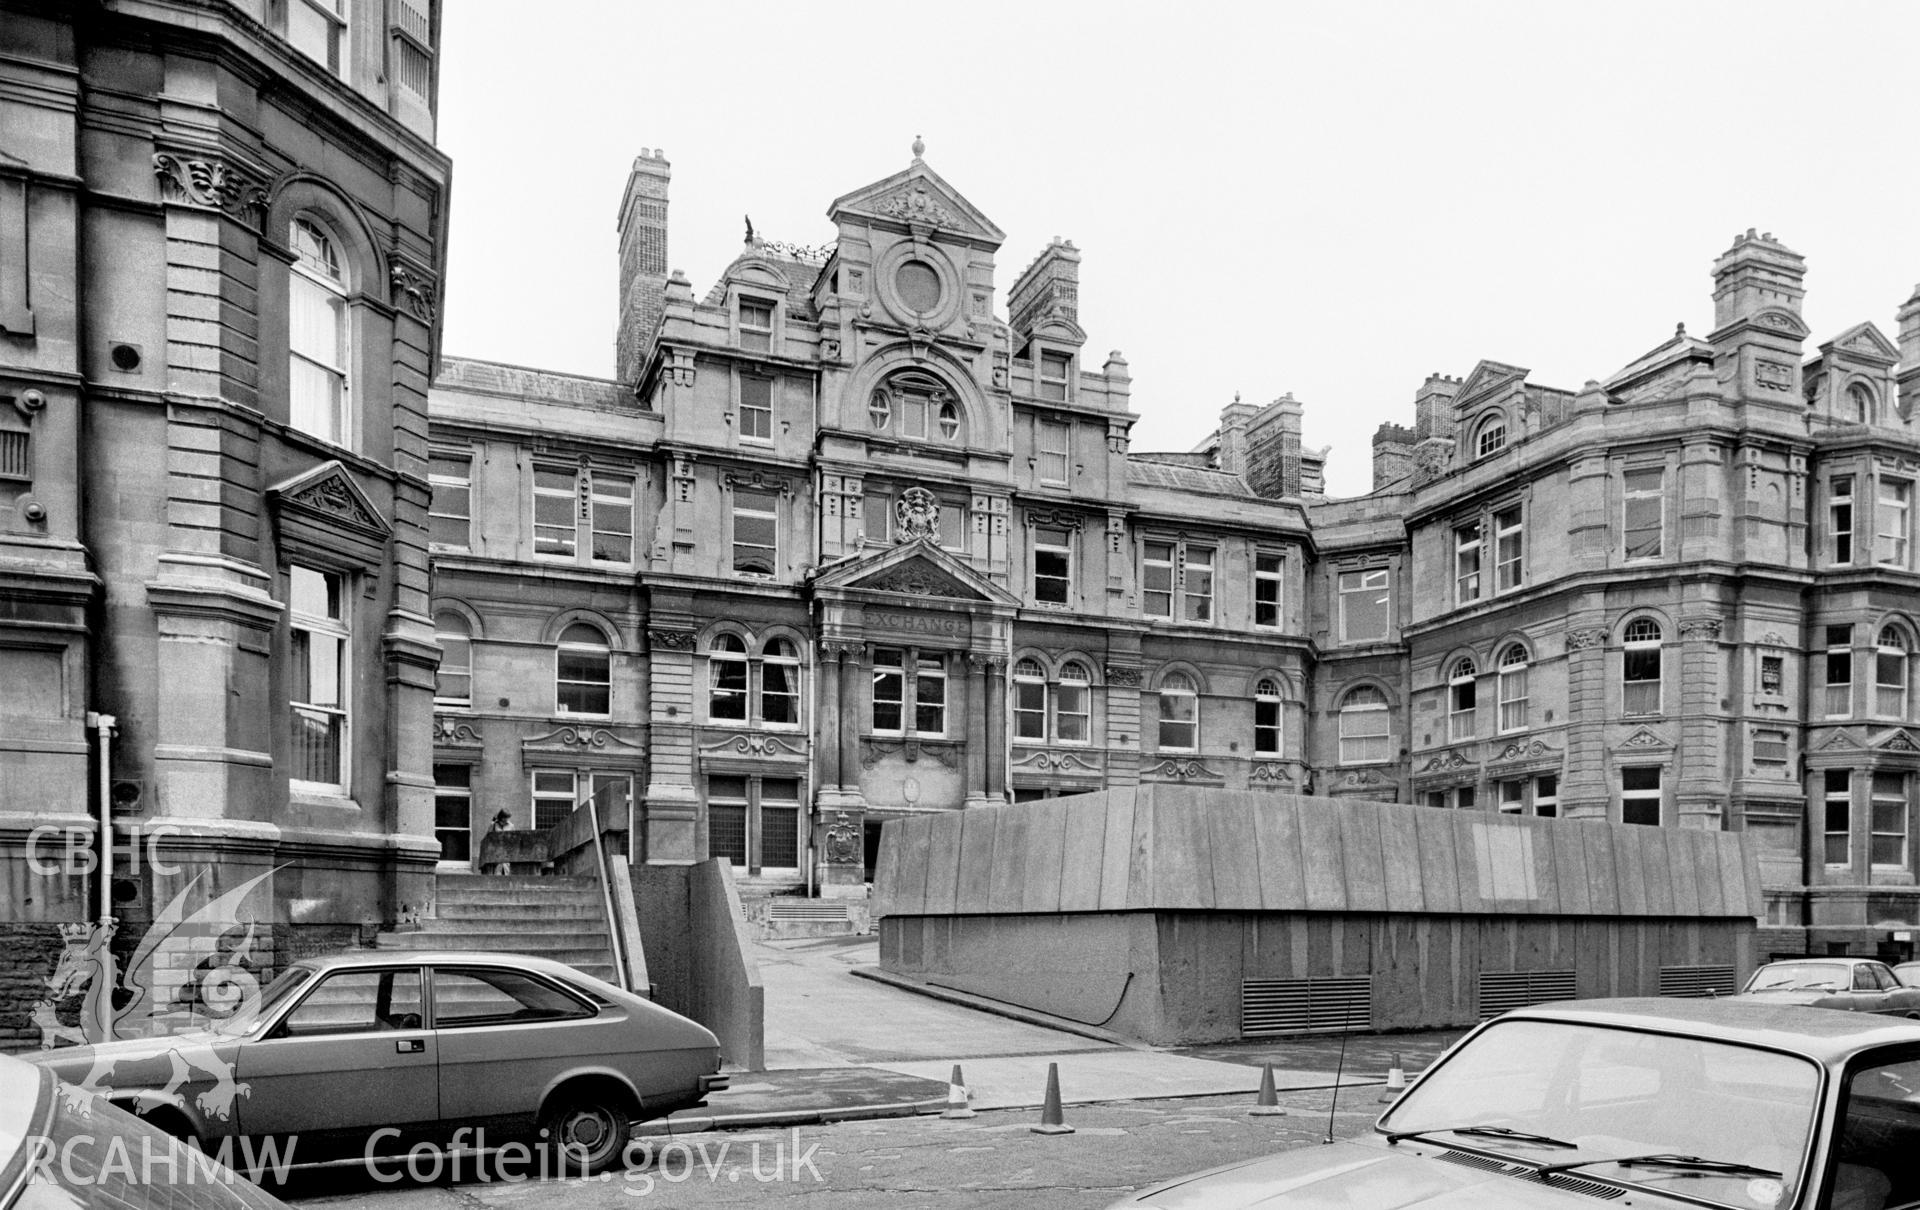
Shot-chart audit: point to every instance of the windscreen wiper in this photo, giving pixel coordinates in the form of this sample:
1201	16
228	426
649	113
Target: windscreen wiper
1668	1160
1497	1132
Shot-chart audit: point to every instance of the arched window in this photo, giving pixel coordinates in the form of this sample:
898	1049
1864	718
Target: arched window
1492	436
949	422
1640	668
1513	688
317	351
583	676
1365	735
1860	403
780	684
879	409
1072	707
453	683
1266	717
727	678
1179	713
1462	700
1890	673
1029	700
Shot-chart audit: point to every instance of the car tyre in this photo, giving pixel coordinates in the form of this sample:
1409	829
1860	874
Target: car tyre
587	1131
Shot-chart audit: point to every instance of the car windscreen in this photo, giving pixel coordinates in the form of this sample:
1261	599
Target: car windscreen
1802	976
1588	1095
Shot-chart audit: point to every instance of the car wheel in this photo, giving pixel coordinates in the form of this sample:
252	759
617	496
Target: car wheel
587	1131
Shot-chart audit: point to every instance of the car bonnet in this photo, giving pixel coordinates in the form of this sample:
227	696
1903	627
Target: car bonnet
1350	1174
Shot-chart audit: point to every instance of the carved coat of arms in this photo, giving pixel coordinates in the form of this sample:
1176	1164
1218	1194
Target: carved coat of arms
916	515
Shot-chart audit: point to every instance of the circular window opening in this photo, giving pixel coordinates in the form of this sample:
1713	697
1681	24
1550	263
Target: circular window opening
919	285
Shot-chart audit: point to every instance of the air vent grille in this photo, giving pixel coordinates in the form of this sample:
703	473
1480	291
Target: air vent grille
1696	981
1501	991
1305	1006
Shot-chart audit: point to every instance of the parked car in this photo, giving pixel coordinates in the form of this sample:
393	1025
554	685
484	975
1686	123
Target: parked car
1666	1102
1861	985
1908	973
371	1053
87	1153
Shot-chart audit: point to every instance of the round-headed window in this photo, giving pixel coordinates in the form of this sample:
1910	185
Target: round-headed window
919	285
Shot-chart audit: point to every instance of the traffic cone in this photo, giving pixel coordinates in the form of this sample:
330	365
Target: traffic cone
1052	1121
1396	1082
959	1100
1267	1105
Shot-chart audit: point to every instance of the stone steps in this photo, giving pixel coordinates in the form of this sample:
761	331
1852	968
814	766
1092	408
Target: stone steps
563	919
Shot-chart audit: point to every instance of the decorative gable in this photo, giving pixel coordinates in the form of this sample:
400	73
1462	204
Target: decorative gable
1864	342
1897	740
1841	740
1490	380
918	198
323	511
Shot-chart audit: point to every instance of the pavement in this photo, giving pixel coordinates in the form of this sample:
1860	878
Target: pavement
842	1047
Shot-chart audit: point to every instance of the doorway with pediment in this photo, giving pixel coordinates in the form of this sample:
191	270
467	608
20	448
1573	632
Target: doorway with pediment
913	648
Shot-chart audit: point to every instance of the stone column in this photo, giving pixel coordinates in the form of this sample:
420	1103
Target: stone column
996	725
980	754
1584	793
850	720
1701	794
828	724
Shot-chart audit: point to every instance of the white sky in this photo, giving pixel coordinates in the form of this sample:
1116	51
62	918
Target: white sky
1334	199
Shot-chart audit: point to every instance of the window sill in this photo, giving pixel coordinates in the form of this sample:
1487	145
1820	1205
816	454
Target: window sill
314	794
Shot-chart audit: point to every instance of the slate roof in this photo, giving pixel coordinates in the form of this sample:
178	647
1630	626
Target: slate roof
1150	473
521	382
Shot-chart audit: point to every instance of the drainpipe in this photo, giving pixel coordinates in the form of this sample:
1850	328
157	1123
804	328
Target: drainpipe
104	725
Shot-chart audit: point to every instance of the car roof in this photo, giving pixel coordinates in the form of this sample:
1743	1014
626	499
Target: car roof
1823	960
356	959
1819	1033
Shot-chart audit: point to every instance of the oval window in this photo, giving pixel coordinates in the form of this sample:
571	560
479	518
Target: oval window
919	285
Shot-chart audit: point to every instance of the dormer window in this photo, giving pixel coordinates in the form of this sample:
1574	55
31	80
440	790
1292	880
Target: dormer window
756	325
1859	404
1492	436
1055	368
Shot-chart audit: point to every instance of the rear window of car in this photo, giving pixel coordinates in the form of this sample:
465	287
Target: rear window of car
464	996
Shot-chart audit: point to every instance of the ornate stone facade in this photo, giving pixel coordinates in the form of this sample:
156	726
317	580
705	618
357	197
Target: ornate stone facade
226	560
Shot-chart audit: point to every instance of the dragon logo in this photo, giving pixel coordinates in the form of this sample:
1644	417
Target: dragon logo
191	969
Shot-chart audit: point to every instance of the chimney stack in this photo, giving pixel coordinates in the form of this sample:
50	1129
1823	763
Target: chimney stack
1758	273
1049	288
1433	407
1233	435
1909	372
643	261
1757	288
1392	454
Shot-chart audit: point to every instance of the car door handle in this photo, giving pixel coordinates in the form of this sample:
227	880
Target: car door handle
410	1046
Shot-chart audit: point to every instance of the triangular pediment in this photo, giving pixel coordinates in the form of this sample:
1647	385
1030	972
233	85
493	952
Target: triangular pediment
1488	378
327	492
915	569
1897	740
1866	342
1839	739
917	196
1642	739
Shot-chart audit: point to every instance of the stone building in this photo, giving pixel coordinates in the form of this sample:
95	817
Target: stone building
221	232
840	544
1683	597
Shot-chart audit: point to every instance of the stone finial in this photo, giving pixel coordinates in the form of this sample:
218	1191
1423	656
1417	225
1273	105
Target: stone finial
919	147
